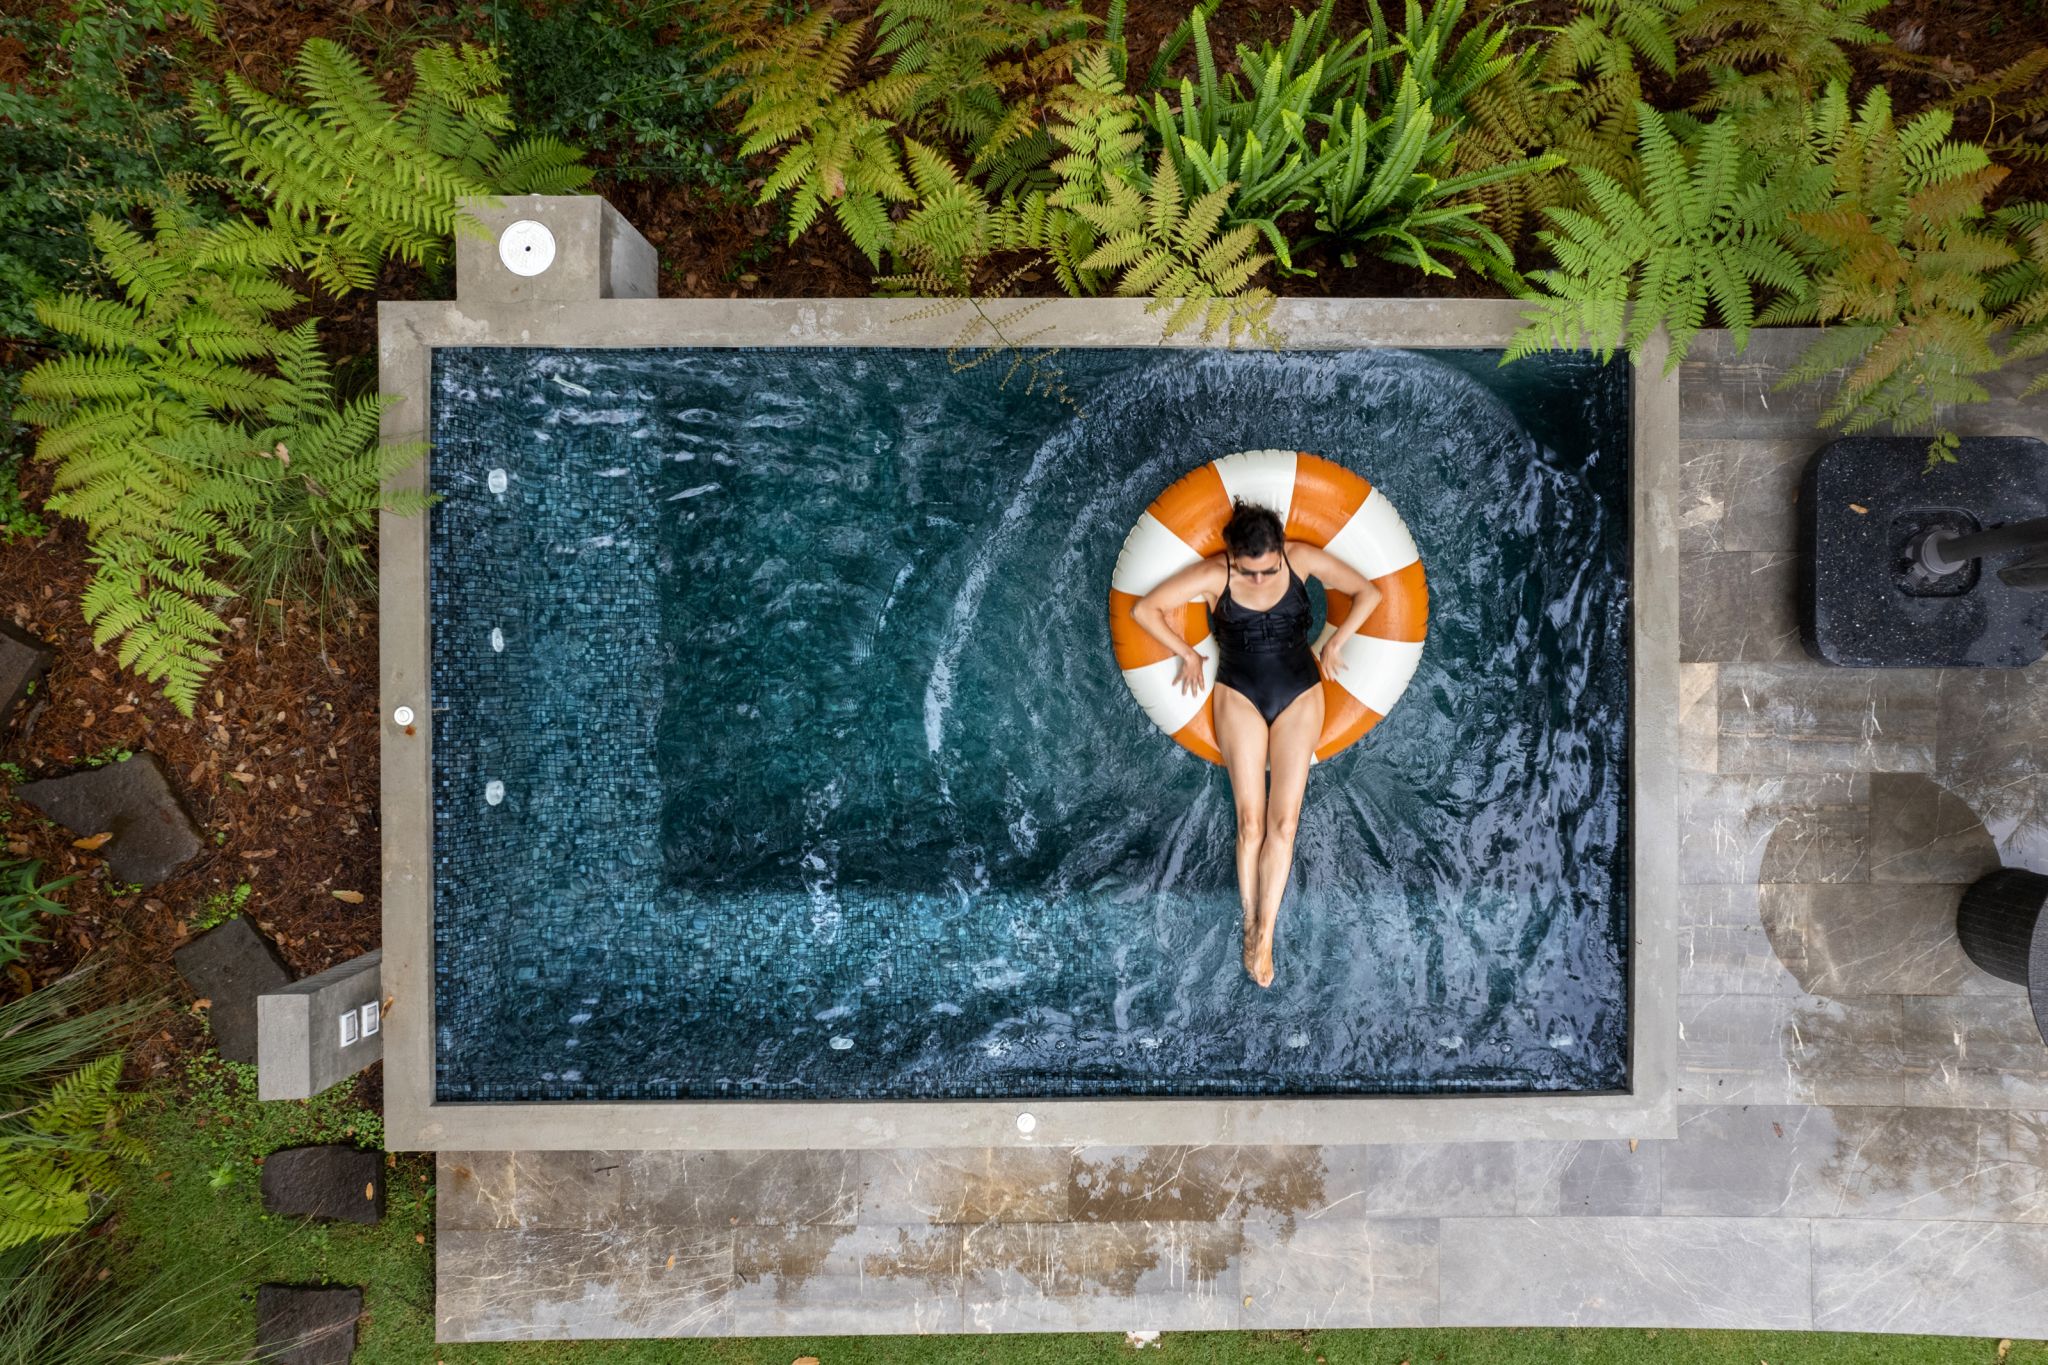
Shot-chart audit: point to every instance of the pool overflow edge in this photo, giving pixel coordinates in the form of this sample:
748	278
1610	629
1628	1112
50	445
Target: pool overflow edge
408	333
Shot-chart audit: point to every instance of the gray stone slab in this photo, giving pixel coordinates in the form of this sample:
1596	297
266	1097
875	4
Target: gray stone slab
1809	718
1588	1179
1921	832
1211	1184
1076	1277
1699	718
1754	1049
1440	1179
299	1038
1854	940
1738	605
473	1191
24	660
1625	1272
232	965
328	1182
1850	1161
558	1285
154	835
572	1190
720	1189
871	1278
1952	1278
1740	495
964	1185
1379	1272
1744	829
307	1324
1978	1034
1724	949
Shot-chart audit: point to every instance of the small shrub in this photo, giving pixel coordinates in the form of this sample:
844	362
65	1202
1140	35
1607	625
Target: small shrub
25	898
220	907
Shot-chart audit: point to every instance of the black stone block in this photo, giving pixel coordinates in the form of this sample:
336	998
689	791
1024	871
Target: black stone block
1863	502
296	1325
23	661
231	966
154	835
338	1184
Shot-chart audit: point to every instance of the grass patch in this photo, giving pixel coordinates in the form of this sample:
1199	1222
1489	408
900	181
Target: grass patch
195	1212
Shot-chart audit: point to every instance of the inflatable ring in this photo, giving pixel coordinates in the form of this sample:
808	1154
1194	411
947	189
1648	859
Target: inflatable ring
1320	503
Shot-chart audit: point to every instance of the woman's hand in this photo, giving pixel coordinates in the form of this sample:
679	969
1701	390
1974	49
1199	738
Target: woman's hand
1333	656
1189	676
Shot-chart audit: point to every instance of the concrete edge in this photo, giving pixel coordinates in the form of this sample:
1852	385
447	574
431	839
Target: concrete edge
408	332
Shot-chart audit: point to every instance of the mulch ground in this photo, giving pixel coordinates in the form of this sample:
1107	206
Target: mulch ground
279	764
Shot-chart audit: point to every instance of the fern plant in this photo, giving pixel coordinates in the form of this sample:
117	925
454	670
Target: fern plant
60	1110
1702	235
1903	264
177	451
2013	101
351	181
2020	291
1765	59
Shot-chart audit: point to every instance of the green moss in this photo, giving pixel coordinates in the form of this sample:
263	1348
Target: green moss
195	1210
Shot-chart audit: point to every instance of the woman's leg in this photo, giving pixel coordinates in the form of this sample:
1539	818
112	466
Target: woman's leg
1241	737
1288	748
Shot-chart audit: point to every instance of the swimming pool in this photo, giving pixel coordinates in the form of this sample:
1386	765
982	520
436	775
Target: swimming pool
781	752
778	756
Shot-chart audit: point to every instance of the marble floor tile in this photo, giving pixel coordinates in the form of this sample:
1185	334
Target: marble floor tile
1624	1272
1440	1179
1167	1276
1380	1272
1813	1161
720	1189
1790	1049
1921	832
567	1189
1740	495
553	1285
1745	829
473	1190
1128	1184
964	1185
1737	605
1588	1179
1847	939
1952	1278
1724	394
810	1277
1810	718
1699	718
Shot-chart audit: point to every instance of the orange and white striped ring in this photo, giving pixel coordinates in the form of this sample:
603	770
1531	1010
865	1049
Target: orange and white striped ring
1320	503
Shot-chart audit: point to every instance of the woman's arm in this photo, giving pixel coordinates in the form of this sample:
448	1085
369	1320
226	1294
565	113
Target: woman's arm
1204	580
1338	575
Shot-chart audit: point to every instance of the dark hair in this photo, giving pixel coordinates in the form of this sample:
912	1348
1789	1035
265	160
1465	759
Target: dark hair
1252	530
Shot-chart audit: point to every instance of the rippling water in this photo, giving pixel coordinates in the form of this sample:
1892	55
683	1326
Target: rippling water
819	780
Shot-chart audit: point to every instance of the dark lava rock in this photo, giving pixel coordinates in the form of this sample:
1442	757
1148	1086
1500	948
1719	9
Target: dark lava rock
23	661
153	833
296	1325
1864	501
231	966
340	1184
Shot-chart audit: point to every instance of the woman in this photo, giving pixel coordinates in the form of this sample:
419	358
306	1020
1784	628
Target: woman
1268	705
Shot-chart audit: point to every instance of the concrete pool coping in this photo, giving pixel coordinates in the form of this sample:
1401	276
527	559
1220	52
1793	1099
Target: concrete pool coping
416	1120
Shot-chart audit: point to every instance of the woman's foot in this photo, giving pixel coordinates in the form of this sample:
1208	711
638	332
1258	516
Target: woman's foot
1258	955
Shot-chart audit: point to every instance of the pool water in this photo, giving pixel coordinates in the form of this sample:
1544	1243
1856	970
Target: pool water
779	751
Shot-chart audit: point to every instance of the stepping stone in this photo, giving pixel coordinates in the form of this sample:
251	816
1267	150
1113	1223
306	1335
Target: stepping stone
335	1183
296	1325
231	966
154	835
23	661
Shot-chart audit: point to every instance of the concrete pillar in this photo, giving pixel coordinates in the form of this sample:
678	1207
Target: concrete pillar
319	1030
552	248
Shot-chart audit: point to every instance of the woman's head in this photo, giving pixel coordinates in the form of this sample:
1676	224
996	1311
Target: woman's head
1253	531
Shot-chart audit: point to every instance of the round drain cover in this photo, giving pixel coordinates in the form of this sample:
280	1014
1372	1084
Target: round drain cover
527	247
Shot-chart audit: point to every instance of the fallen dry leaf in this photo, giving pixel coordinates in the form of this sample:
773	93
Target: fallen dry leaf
352	897
1778	1129
671	1262
1632	1144
204	1002
800	1360
1859	509
420	1237
2004	1347
93	841
369	1189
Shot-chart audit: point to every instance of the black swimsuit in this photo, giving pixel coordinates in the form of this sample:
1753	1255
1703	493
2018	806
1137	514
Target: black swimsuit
1265	655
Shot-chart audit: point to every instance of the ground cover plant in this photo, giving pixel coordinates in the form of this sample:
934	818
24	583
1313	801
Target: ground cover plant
1613	159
